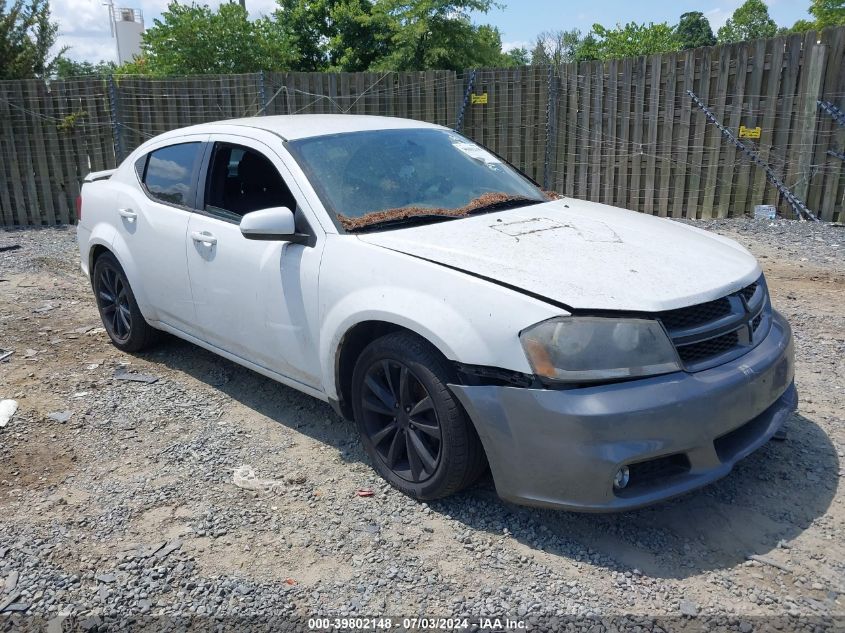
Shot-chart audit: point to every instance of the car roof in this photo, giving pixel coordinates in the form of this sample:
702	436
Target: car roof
297	126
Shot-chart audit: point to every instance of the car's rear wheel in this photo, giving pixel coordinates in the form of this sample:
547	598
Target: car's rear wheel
118	309
416	433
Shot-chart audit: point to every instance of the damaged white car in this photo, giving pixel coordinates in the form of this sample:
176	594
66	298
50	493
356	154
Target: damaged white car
594	358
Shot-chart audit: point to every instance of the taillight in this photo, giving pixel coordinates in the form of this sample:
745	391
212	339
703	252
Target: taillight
78	208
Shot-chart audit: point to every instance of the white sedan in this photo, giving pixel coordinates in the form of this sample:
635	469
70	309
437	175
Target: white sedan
594	358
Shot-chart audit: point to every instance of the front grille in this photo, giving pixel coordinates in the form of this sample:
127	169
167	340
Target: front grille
710	333
696	315
709	348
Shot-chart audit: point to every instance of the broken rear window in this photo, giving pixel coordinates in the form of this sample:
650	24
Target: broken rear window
367	177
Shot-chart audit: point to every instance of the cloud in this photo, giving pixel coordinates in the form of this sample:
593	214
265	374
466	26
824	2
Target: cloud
509	46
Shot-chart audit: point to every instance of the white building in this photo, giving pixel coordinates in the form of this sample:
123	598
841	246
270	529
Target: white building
127	28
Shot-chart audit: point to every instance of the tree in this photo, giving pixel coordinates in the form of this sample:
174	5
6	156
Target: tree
424	34
827	13
193	39
589	49
630	40
339	35
556	47
26	37
693	31
69	68
516	57
751	21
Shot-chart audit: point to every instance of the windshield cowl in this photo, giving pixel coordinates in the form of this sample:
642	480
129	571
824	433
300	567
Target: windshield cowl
485	202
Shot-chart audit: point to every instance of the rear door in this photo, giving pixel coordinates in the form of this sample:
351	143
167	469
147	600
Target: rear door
254	299
153	222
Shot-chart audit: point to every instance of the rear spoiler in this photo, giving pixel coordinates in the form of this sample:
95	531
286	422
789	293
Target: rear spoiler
99	175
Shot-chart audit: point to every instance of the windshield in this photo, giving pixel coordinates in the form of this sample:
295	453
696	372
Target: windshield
387	176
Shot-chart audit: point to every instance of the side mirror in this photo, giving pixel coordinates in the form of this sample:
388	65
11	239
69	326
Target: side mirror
275	223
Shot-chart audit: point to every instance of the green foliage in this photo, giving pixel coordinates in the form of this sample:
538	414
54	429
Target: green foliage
751	21
589	49
68	123
556	47
319	35
338	35
194	40
69	68
422	34
827	13
693	31
26	37
516	57
630	40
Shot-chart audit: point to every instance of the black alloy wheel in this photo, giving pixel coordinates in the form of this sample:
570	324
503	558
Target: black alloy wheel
411	425
119	310
401	421
113	301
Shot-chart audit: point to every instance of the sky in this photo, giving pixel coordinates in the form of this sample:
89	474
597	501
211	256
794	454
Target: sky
84	25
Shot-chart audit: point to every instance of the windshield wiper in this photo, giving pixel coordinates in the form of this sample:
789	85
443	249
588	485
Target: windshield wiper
406	221
501	205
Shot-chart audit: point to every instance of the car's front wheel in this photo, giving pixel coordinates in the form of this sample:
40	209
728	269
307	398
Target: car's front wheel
118	309
416	433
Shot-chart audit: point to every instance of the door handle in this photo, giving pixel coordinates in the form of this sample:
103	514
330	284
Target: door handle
206	238
129	214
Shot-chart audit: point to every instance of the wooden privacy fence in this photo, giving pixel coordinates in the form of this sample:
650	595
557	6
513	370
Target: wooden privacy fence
624	132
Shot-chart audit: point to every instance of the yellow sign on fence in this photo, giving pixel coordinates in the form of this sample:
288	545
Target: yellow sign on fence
479	99
749	132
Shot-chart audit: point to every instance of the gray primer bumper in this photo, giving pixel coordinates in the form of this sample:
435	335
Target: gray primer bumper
561	448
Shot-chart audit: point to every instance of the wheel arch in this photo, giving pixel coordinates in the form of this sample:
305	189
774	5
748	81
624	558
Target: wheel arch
353	342
97	251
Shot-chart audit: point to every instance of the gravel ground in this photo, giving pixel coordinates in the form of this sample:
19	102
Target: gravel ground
118	507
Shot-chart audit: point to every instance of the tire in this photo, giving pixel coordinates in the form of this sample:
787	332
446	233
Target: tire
431	451
124	323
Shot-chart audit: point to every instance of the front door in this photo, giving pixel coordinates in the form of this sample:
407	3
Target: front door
253	299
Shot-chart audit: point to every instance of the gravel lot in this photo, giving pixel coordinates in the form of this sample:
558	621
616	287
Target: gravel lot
117	501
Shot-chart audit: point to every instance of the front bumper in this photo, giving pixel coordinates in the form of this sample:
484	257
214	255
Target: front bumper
677	432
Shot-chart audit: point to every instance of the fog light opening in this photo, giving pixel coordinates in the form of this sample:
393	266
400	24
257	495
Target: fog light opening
621	479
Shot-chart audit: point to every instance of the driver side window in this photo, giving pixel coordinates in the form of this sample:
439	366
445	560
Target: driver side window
241	180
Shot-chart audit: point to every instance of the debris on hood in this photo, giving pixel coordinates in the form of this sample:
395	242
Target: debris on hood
7	410
401	213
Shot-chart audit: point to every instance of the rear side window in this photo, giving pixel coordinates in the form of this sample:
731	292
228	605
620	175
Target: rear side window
169	173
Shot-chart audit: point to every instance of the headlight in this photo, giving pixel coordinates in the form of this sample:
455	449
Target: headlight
585	349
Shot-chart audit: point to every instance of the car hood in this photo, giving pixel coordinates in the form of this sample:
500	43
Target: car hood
584	255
